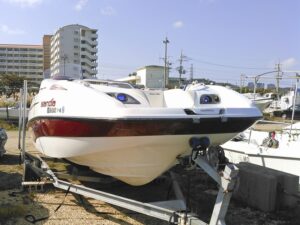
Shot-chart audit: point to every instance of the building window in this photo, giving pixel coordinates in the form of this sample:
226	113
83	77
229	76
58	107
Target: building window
76	46
76	32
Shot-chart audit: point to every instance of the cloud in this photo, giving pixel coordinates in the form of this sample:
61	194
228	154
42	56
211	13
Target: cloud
24	3
80	4
288	63
108	11
178	24
207	1
6	30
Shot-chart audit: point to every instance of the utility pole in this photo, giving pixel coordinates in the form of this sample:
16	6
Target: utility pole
278	77
191	73
180	68
166	41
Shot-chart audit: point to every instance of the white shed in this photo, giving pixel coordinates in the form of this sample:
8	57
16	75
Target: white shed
151	76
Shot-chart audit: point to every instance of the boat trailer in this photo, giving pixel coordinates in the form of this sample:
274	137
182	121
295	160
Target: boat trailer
173	211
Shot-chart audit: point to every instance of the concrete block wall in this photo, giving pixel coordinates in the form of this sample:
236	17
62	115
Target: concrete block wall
266	189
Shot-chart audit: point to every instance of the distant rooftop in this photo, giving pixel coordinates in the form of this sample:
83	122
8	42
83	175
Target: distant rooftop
20	46
77	25
151	66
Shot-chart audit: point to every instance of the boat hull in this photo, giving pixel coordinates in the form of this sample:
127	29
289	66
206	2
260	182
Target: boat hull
135	151
262	104
135	160
276	159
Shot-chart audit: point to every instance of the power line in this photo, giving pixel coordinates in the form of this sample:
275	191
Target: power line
229	66
217	70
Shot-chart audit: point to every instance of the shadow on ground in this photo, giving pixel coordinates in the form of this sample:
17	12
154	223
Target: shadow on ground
8	159
10	172
14	203
199	190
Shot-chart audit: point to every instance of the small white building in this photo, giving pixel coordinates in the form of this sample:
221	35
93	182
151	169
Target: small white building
151	76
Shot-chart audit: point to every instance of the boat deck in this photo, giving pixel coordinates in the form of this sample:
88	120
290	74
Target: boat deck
269	126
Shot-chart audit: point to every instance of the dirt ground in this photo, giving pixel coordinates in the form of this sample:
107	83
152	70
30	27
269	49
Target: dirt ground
200	192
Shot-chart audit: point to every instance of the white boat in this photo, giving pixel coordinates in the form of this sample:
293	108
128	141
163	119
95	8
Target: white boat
278	150
285	102
261	102
131	134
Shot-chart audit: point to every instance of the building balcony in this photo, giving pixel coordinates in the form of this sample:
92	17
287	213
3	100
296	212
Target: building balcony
89	41
88	48
95	35
21	64
37	59
89	56
13	70
89	62
89	70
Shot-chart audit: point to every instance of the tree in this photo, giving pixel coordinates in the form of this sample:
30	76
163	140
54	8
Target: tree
11	83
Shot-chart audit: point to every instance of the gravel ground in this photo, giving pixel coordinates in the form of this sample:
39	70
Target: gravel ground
75	210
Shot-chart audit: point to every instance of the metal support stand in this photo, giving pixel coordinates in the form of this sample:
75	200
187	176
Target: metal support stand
226	183
22	127
173	211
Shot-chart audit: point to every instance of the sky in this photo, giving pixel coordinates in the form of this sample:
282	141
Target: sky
221	38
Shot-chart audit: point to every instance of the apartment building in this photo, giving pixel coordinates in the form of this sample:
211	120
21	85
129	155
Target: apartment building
22	60
46	48
73	49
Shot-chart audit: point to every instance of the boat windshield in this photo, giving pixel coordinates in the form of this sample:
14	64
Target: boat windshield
110	83
71	71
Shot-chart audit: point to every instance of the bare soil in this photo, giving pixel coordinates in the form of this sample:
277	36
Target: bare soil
199	191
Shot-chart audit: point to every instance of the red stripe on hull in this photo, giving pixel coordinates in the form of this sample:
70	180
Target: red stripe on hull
64	127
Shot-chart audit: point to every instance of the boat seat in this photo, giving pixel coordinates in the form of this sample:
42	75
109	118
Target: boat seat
177	98
155	98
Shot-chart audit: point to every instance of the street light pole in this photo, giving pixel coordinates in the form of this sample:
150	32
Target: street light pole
64	58
256	78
